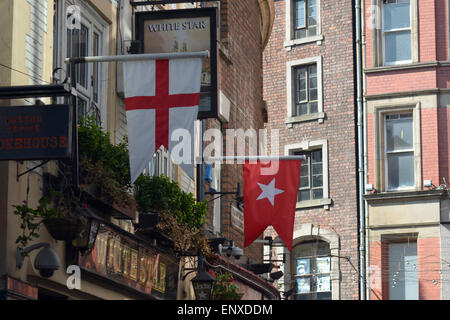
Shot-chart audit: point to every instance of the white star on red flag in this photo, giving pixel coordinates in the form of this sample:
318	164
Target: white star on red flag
269	192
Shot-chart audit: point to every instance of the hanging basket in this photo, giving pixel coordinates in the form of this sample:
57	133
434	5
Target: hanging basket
64	228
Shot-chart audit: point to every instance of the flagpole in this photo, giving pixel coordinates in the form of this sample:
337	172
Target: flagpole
138	57
254	158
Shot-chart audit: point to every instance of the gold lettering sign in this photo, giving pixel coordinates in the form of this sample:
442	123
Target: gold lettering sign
124	259
134	265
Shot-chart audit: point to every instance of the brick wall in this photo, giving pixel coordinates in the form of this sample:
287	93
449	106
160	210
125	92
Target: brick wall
240	79
338	127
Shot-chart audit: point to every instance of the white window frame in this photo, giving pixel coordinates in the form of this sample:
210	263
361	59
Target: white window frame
307	232
94	22
380	111
313	273
383	33
309	146
290	76
290	40
386	152
378	59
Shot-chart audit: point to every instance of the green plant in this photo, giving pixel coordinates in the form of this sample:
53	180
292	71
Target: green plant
104	164
58	205
159	194
224	288
29	225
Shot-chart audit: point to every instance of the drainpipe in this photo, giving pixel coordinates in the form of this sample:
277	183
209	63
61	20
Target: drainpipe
366	166
361	182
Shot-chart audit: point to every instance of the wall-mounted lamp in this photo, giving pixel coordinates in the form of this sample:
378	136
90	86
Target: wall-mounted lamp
203	284
88	236
46	261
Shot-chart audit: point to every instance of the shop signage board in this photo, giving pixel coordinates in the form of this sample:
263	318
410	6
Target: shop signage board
35	132
190	30
126	261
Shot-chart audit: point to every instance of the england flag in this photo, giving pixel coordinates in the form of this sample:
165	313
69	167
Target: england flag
161	99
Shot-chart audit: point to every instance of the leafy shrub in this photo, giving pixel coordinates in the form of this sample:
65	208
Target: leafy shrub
94	144
159	194
104	164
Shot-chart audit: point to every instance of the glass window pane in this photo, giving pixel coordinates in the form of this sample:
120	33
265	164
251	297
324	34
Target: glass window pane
317	181
323	265
400	170
304	182
323	283
399	134
304	168
300	33
96	52
303	284
302	83
403	271
317	168
312	13
397	15
312	31
397	46
82	50
313	107
317	193
302	95
303	109
316	156
300	14
303	195
312	94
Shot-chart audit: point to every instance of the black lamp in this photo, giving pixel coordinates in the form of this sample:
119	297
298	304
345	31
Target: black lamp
89	234
203	284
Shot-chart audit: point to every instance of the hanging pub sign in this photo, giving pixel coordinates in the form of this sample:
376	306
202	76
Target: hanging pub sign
189	30
35	132
126	261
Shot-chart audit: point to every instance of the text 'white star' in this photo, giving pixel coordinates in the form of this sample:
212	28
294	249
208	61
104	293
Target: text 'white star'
269	192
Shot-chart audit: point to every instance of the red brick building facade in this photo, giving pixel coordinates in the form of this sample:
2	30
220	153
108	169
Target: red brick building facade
406	99
243	36
309	89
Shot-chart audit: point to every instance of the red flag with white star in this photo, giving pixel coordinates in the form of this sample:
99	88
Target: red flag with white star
270	199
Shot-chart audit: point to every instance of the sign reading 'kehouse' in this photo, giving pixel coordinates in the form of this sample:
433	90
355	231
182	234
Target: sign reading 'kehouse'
35	132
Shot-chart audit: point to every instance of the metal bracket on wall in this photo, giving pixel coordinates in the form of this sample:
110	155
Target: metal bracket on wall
29	170
237	193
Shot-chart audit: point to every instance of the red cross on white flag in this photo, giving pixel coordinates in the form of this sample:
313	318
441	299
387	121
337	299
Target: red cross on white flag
161	96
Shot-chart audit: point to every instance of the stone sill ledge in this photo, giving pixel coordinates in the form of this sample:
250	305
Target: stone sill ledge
288	44
320	116
408	66
402	195
326	202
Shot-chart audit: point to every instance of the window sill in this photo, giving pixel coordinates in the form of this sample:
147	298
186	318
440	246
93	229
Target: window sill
288	44
309	117
326	202
408	66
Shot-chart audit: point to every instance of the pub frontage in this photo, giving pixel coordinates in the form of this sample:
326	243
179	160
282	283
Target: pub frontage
72	225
